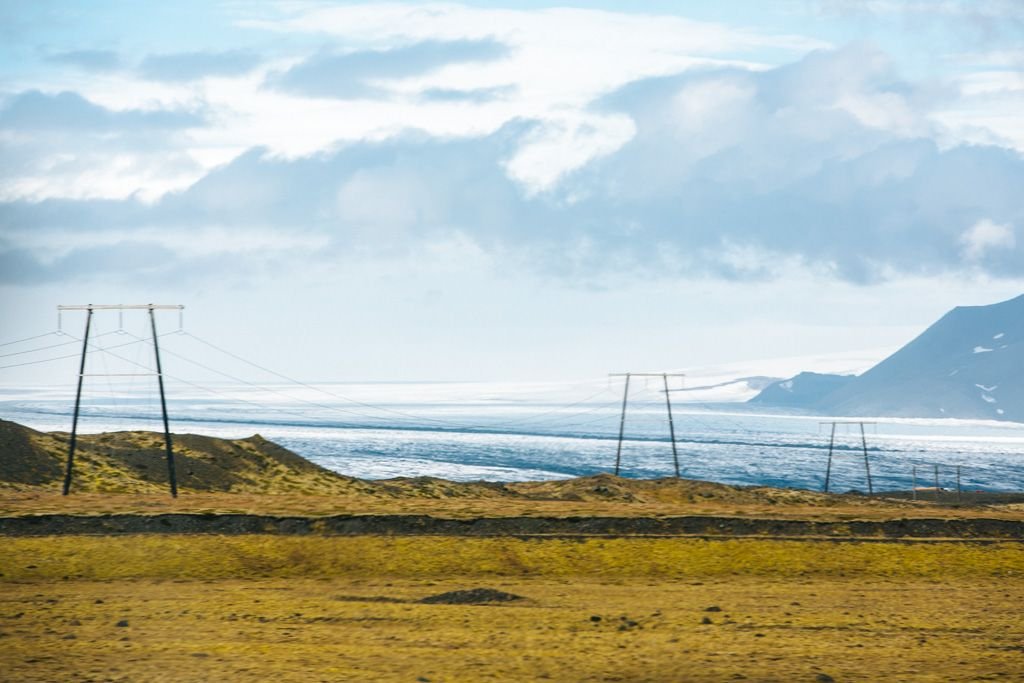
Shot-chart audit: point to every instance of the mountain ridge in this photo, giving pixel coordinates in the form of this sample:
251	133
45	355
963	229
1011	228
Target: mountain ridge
968	364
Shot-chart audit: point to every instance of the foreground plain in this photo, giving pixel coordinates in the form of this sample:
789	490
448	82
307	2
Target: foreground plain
568	629
286	608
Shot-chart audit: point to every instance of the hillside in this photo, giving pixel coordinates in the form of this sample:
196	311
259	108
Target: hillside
135	462
969	364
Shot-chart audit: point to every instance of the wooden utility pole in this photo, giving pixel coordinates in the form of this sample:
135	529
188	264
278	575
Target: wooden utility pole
120	308
78	403
668	406
831	446
864	446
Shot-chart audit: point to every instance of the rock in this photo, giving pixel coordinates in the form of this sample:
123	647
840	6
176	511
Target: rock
706	620
824	678
595	618
122	623
713	608
474	596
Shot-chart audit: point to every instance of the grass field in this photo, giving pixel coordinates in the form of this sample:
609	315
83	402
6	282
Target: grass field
800	505
346	608
568	629
57	558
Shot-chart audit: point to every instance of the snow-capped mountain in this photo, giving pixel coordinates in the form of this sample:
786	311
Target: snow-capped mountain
969	364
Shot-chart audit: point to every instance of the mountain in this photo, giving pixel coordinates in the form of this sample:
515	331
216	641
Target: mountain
969	364
802	391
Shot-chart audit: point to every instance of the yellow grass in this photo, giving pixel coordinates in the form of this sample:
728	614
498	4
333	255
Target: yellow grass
302	630
41	502
259	556
320	608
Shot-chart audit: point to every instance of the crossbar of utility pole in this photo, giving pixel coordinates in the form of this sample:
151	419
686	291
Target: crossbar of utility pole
121	307
668	406
90	309
864	446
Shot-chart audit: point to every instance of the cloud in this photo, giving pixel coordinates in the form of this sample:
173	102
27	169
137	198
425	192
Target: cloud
123	259
190	66
722	172
90	60
356	74
67	146
976	22
985	236
472	95
33	110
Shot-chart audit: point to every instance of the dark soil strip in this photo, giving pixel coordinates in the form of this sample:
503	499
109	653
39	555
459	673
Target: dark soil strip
425	525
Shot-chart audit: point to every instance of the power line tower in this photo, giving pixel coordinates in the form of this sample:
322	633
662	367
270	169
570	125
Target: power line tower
668	406
90	309
864	446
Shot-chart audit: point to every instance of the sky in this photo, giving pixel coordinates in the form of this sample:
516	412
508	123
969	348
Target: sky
353	191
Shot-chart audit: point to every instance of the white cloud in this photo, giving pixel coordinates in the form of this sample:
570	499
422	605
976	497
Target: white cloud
984	236
560	146
559	61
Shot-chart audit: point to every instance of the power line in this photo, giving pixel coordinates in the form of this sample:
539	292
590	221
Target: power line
555	413
305	385
73	355
27	339
41	348
260	387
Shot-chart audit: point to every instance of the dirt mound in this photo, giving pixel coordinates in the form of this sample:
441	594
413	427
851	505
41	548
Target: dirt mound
23	461
432	487
136	462
473	596
606	487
